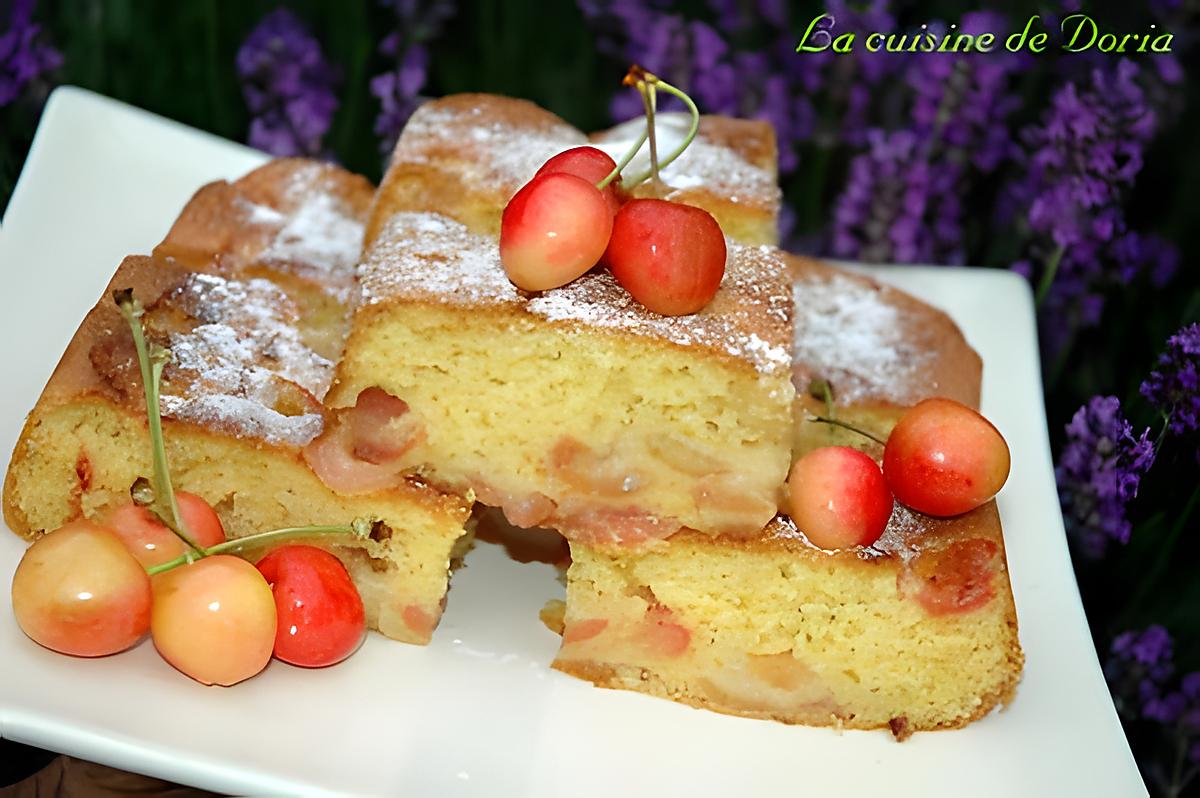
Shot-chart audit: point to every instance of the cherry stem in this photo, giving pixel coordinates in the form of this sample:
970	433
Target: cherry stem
649	84
839	423
692	131
151	360
360	528
650	103
821	389
625	159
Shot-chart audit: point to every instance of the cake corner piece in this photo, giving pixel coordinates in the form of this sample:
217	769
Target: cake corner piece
231	294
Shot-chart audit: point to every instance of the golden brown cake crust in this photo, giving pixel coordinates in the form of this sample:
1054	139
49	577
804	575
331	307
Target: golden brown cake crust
429	258
227	228
226	337
466	155
908	534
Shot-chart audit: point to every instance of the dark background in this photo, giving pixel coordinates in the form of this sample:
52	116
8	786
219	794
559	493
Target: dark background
181	60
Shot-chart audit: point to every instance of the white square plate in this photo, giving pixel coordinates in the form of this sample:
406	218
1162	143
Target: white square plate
479	712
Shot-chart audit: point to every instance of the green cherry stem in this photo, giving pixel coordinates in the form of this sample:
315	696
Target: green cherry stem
839	423
625	159
359	529
652	84
151	360
821	389
650	103
695	126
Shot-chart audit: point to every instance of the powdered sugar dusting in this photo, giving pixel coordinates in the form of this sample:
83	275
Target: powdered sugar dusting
433	257
310	230
245	417
848	334
263	214
319	233
430	257
238	361
491	148
901	538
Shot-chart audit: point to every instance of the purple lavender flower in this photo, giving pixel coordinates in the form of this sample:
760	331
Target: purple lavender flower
1137	254
1139	671
23	58
902	202
288	86
1078	163
399	90
1098	474
897	207
1174	385
399	94
1151	649
963	101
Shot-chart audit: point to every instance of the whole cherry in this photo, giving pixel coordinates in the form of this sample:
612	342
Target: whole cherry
943	458
149	540
553	230
214	619
839	498
320	614
669	256
78	590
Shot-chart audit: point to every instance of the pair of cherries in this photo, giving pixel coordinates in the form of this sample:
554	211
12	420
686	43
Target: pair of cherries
942	458
669	256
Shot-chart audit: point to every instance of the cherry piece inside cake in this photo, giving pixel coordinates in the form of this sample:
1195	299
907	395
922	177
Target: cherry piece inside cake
250	294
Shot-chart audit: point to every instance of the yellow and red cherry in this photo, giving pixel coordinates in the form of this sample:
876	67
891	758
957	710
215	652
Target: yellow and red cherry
152	543
553	230
669	256
839	498
319	615
214	619
592	165
943	458
78	590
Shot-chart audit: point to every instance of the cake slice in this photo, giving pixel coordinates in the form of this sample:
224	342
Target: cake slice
250	292
915	632
574	408
465	155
